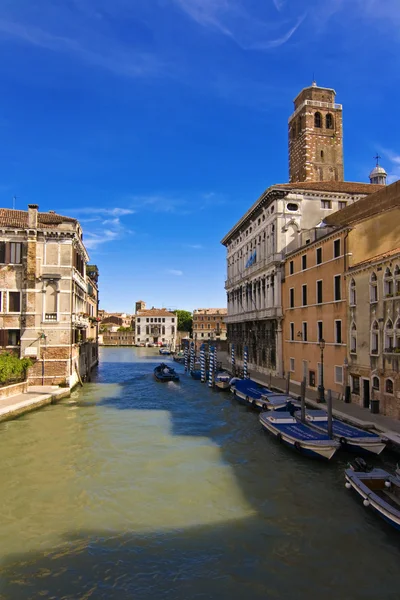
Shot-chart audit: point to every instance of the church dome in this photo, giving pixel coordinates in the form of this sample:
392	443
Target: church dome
377	171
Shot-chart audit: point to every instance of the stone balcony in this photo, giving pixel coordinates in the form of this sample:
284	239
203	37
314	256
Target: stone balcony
80	321
255	269
272	312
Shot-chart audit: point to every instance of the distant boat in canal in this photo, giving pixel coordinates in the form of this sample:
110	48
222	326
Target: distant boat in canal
298	436
351	438
164	351
165	373
179	357
379	489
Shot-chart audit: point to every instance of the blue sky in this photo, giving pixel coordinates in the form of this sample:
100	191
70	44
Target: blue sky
157	123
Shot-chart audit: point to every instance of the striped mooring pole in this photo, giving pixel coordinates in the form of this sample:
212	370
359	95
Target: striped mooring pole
233	358
185	354
245	359
203	363
211	367
215	361
191	356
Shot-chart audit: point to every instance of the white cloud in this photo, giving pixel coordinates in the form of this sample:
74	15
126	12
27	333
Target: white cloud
174	272
393	168
113	212
194	246
115	222
232	19
95	239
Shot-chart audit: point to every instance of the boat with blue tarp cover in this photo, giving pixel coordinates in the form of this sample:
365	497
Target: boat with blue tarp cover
165	373
299	436
351	438
379	489
248	390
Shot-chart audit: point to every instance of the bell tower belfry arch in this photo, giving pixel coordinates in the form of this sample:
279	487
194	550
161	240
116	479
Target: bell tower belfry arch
316	137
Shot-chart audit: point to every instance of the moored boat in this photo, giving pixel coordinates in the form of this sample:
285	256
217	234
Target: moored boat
298	436
379	489
165	373
248	390
222	379
275	401
164	351
351	438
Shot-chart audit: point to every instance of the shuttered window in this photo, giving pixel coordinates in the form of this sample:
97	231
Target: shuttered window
14	302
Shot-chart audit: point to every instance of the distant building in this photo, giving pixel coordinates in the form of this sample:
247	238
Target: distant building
44	295
118	338
155	326
209	324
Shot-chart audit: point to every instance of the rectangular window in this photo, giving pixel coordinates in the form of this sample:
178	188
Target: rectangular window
338	332
291	332
319	256
338	291
291	297
138	330
320	330
291	367
138	320
342	205
374	343
2	252
173	320
14	302
355	385
304	261
326	204
163	320
374	293
304	294
291	267
304	332
14	337
311	378
15	253
336	248
147	320
338	374
319	291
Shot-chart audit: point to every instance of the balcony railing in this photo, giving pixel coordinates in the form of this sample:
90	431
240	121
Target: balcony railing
317	104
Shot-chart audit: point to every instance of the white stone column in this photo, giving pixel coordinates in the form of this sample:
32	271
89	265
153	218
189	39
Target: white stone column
279	349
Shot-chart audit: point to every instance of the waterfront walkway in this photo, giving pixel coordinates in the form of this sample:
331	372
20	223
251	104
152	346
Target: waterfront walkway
351	412
36	397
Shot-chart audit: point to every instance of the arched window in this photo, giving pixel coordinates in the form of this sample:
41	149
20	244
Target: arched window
389	336
397	336
353	295
397	280
388	283
375	338
353	338
318	120
389	386
375	383
329	121
373	288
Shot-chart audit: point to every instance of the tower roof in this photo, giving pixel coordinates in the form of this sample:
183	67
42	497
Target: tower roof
378	170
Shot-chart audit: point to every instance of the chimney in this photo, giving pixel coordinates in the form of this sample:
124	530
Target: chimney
33	216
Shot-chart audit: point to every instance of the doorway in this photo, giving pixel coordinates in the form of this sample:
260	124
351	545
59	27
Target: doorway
366	393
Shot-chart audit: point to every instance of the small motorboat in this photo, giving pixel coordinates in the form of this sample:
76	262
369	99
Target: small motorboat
303	438
164	351
351	438
179	357
248	390
222	380
165	373
275	401
379	489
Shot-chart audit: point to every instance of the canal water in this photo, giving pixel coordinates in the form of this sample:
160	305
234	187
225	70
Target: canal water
135	489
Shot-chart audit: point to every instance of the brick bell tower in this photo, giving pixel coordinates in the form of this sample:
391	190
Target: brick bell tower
316	137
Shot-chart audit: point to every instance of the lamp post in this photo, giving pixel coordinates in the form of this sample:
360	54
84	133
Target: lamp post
321	388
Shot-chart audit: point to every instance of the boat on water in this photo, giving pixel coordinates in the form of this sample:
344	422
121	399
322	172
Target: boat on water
299	436
222	380
275	401
248	390
379	489
351	438
179	357
165	373
164	351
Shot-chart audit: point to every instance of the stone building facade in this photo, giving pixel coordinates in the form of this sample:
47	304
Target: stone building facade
316	137
256	248
209	323
315	309
156	326
374	332
43	285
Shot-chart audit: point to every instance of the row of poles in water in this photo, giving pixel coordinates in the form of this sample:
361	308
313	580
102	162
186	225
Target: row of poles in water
189	355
